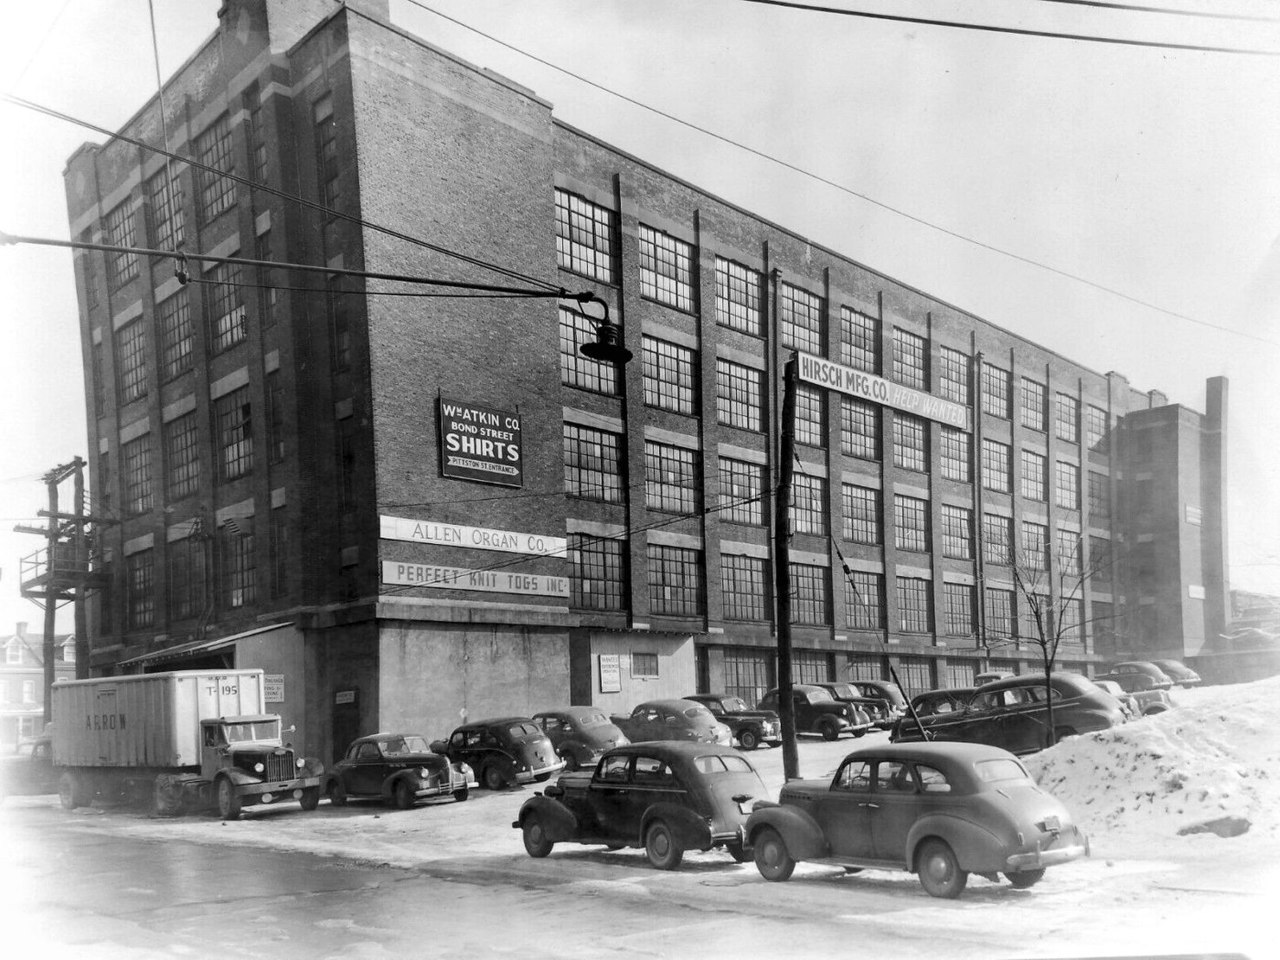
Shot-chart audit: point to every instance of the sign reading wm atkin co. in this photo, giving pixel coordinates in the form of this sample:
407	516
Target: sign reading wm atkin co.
460	578
478	538
867	386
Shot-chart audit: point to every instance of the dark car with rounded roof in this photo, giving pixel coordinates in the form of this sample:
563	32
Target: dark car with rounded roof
579	734
502	751
749	727
666	796
1013	713
677	719
1135	675
1178	672
941	701
939	810
396	768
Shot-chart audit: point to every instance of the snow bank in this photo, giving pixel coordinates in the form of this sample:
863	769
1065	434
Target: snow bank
1210	766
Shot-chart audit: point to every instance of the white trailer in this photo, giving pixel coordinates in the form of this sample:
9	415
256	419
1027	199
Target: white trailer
185	739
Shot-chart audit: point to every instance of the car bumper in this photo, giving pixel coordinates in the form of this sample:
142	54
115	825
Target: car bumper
529	776
1038	859
445	789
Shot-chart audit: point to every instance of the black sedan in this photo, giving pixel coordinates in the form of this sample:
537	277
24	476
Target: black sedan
665	796
396	768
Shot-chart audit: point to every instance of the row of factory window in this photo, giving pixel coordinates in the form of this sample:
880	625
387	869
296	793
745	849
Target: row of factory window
585	243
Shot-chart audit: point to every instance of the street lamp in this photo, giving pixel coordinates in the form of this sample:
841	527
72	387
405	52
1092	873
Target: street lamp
607	346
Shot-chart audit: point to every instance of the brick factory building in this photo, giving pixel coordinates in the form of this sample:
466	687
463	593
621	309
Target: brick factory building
410	509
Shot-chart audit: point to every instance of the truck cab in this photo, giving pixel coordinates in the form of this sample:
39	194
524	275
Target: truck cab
247	761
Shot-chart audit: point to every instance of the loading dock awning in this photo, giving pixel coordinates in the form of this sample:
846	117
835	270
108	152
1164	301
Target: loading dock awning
195	648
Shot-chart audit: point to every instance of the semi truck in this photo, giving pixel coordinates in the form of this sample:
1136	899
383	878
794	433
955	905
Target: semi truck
183	741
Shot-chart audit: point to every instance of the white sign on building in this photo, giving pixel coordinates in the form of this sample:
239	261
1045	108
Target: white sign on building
440	534
462	578
867	386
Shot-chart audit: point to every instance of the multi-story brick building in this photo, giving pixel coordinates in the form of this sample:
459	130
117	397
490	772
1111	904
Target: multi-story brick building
299	461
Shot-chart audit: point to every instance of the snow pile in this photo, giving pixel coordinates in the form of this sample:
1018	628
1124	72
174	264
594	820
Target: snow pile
1209	766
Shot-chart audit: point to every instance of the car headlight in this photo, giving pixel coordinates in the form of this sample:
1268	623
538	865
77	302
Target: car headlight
258	767
424	773
465	770
300	762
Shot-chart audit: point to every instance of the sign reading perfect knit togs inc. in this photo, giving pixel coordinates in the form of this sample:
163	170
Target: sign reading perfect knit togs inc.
867	386
480	443
462	578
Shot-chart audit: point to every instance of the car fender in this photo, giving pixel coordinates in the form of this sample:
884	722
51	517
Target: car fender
238	777
976	848
691	830
558	821
389	784
799	831
311	767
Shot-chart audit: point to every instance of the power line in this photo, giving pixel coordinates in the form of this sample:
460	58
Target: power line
849	190
1167	10
255	185
1016	31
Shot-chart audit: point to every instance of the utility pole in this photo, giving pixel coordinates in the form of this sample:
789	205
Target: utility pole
782	568
51	479
82	563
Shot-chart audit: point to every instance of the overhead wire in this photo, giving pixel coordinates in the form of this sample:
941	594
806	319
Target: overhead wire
1179	12
826	181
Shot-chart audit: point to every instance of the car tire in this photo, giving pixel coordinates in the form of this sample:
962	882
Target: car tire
228	799
402	795
1025	878
536	843
661	846
739	853
939	870
310	798
461	795
570	761
337	794
828	730
69	791
493	778
771	856
1061	733
748	740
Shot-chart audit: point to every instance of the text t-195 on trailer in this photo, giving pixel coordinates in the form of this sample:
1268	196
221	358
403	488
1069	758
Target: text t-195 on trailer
183	741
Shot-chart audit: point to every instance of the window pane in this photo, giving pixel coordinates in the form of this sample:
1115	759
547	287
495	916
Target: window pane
669	375
811	418
995	391
809	505
675	581
911	523
861	511
957	532
182	459
953	375
596	572
909	438
592	464
745	586
864	600
800	314
666	269
213	149
671	478
914	612
910	360
741	492
859	429
1034	402
859	340
809	592
233	428
955	454
738	297
577	370
584	236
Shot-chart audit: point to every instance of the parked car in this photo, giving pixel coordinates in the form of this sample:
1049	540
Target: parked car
1178	672
502	751
749	727
895	702
868	711
29	770
1013	714
939	810
816	710
1151	702
673	720
1135	675
990	676
941	701
396	768
580	735
667	797
1127	700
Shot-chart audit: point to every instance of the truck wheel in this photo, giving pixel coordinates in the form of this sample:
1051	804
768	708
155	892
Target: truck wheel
939	871
461	795
228	800
772	859
661	847
536	843
748	739
310	798
69	791
828	730
403	795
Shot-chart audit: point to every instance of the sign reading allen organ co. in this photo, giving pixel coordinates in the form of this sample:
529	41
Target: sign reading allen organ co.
480	443
867	386
461	578
443	534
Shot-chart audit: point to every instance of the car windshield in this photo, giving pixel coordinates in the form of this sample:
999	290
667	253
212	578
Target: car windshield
699	713
593	720
733	705
518	730
819	696
721	763
843	690
400	746
255	730
1001	770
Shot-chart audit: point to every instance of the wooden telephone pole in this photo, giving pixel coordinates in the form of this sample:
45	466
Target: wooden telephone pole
782	568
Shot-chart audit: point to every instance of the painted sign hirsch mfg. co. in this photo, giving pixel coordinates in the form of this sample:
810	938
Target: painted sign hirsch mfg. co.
480	443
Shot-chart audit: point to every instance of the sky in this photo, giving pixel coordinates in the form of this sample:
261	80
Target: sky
1119	204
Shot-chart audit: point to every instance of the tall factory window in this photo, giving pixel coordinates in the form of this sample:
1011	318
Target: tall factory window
177	338
911	523
864	600
959	613
328	164
996	465
809	505
1034	401
577	370
915	613
738	297
666	269
739	392
953	375
216	193
955	454
131	359
859	429
1070	549
1035	545
584	236
257	135
225	307
1066	418
1066	485
268	291
238	567
187	577
745	587
910	437
800	314
670	376
675	581
995	391
741	492
233	432
860	507
181	457
670	478
997	539
592	464
1034	481
999	613
141	595
859	340
597	568
136	471
120	232
810	594
338	304
1099	499
910	359
811	416
957	532
1097	425
164	194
